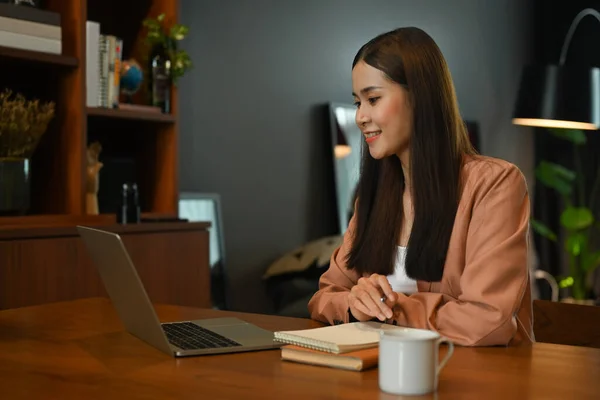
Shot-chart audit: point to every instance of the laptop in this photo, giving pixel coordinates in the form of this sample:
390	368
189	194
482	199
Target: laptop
178	338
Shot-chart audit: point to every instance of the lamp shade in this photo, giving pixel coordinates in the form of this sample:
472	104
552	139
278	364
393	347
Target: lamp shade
342	149
556	96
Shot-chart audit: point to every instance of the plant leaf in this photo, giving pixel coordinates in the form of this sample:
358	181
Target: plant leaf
576	243
543	230
161	17
591	261
555	176
575	136
151	24
566	282
576	218
178	31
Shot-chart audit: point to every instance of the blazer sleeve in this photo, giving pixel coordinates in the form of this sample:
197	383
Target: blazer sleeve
330	303
495	275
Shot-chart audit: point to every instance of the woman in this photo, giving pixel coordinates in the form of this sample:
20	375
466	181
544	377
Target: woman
454	221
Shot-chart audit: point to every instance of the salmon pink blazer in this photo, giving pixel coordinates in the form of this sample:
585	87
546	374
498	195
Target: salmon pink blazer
484	297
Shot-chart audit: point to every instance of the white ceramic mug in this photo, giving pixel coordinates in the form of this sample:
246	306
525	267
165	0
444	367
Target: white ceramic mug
409	361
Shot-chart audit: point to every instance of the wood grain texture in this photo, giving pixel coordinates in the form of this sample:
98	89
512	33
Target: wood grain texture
60	161
166	172
563	323
10	225
171	259
80	350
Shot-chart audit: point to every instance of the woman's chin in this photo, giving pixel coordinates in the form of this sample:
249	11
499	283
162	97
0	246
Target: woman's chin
377	152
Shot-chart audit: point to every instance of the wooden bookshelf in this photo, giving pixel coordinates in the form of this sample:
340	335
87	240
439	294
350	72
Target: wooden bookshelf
37	57
130	114
58	167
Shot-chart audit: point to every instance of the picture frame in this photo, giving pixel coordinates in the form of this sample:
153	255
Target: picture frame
206	207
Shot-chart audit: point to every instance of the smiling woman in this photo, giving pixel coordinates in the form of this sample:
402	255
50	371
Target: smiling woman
430	213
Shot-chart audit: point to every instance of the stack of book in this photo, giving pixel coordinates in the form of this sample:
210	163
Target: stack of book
29	28
353	346
104	54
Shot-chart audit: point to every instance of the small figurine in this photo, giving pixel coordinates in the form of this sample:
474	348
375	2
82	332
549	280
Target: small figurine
93	184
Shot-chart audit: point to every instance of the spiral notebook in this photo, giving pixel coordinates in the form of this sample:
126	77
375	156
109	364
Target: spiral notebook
336	338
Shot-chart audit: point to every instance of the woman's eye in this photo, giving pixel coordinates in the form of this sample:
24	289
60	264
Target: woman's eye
373	100
357	104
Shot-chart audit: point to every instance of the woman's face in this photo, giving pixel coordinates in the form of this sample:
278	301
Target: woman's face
384	114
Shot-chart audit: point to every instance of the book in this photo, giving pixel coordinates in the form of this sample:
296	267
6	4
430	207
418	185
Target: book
30	14
24	27
336	339
31	43
358	360
92	64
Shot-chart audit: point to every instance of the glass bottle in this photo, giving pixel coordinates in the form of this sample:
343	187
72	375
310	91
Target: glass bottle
160	79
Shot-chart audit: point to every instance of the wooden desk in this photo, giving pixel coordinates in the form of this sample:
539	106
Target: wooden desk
78	350
46	264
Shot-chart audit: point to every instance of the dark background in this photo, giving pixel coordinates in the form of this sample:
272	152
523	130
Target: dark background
253	127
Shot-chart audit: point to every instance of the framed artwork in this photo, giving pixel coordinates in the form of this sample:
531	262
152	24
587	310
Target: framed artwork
206	207
347	142
202	207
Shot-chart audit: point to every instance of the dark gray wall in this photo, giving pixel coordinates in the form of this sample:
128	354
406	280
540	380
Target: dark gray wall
250	130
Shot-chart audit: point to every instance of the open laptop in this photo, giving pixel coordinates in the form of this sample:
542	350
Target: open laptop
180	338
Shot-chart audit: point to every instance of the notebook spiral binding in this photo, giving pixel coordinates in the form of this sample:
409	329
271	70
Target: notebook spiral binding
308	343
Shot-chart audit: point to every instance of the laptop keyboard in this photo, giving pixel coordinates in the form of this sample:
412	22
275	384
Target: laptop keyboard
189	336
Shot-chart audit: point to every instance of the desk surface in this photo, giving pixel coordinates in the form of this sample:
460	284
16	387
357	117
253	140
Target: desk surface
79	350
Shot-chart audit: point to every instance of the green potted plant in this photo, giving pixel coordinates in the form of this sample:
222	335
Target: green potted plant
168	38
577	218
167	63
22	124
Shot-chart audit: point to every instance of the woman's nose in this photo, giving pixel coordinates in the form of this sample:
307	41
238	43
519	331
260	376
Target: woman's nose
361	117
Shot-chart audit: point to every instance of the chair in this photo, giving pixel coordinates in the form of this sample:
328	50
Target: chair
564	323
546	276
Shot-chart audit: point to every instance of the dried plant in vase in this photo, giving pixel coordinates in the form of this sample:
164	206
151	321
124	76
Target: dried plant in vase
22	123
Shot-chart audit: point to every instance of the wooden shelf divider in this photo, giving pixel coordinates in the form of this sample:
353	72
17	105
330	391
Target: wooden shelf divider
130	114
38	56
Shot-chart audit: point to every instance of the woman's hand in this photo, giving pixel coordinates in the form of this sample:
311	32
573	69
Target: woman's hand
365	298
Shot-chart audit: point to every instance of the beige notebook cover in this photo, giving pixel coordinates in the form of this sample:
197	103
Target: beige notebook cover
336	338
358	360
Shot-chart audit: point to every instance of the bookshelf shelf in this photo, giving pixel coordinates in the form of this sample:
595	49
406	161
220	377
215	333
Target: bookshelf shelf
38	57
130	114
42	220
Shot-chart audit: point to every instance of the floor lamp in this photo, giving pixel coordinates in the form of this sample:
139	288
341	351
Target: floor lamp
560	96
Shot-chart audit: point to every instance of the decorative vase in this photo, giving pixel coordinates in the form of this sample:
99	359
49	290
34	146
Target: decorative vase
14	186
159	84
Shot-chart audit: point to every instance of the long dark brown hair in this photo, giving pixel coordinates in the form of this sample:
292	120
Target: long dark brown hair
439	141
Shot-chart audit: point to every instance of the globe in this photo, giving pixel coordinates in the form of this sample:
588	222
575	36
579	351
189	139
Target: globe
131	77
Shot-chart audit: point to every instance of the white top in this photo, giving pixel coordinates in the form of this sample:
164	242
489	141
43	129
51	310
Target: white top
399	281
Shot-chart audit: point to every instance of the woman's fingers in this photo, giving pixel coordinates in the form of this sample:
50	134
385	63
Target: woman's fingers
384	284
372	298
358	309
363	308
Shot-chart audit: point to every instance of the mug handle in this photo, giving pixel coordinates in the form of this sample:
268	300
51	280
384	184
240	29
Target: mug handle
442	363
